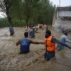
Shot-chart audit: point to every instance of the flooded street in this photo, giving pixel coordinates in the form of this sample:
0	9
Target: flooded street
11	60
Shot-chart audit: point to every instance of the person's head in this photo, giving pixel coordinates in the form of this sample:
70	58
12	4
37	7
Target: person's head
26	34
48	33
65	32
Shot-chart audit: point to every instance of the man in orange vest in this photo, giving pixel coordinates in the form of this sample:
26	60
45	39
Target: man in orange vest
50	47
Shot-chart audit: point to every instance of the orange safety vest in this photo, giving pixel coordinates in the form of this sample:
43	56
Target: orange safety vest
50	46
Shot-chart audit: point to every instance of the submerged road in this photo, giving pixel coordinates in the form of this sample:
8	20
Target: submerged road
11	60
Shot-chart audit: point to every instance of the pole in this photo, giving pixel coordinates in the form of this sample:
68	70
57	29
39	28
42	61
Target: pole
59	3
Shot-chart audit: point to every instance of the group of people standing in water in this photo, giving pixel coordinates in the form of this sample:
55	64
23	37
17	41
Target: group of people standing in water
49	42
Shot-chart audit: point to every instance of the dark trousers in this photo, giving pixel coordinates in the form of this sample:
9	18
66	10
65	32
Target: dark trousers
11	33
49	55
24	51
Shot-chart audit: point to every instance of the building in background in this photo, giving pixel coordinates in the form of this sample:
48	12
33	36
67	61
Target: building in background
62	18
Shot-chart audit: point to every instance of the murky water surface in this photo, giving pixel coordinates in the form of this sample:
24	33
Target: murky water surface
11	60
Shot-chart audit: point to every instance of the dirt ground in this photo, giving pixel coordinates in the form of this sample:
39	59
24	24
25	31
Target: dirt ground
11	60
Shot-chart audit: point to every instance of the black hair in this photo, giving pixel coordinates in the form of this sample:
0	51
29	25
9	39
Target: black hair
48	33
65	32
26	34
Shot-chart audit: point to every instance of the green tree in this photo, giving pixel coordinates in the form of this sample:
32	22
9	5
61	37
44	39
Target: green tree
6	5
30	11
38	11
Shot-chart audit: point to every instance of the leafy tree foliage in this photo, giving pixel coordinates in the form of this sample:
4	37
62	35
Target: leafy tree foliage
28	12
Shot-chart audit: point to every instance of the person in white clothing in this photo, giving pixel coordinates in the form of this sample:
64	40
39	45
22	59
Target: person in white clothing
64	39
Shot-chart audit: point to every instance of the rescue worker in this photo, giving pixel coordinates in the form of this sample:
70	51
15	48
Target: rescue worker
50	47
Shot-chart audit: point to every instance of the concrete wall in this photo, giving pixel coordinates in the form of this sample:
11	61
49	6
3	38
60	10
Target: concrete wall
64	13
58	23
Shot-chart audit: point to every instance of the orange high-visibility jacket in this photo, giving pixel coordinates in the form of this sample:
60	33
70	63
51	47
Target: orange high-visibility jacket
50	46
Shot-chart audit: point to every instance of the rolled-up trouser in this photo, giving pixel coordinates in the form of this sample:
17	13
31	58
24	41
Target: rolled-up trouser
49	55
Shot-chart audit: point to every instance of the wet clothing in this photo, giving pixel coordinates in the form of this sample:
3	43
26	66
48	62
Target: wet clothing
49	55
24	45
63	39
31	33
50	47
11	31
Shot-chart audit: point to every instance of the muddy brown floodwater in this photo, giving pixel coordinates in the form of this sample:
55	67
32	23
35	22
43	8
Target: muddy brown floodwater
11	60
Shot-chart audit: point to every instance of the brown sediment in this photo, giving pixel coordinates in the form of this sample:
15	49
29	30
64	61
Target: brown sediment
11	60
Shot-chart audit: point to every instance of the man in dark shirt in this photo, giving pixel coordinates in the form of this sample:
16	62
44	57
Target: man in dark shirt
11	31
25	43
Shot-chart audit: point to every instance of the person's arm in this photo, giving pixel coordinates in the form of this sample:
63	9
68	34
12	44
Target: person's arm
57	41
67	40
36	42
18	42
